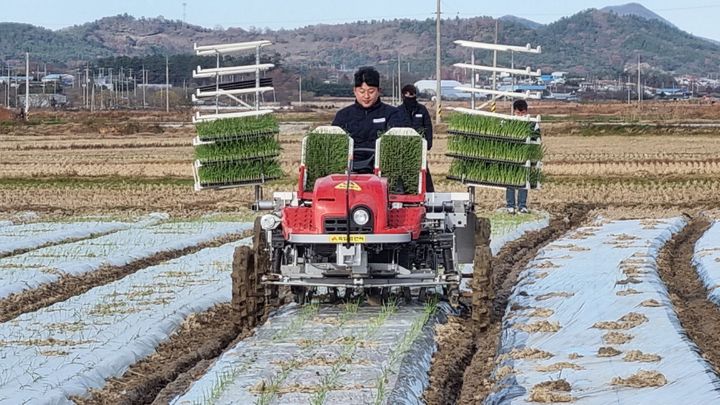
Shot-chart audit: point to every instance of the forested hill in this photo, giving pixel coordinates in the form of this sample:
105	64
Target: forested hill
590	42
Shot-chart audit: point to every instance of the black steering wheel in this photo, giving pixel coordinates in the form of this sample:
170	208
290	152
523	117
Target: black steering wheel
363	160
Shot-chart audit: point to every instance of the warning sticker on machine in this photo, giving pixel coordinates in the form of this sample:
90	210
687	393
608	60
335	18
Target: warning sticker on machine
343	239
344	186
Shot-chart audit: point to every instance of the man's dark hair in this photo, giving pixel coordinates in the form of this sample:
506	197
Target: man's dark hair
409	89
367	75
520	105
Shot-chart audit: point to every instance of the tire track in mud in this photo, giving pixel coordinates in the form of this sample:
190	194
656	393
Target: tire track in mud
176	363
71	285
699	317
462	365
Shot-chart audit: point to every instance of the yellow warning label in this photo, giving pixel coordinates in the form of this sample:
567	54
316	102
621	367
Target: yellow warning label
344	186
343	239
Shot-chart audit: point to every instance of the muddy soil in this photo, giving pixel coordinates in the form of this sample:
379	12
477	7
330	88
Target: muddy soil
461	367
700	318
72	285
201	338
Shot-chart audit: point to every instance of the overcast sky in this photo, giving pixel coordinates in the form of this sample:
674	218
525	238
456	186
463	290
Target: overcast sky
699	17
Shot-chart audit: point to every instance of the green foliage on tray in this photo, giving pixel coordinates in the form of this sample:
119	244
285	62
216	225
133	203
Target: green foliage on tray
482	125
246	148
401	161
490	173
228	173
325	154
234	127
473	147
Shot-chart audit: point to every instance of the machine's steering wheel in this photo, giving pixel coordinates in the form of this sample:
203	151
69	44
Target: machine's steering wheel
363	160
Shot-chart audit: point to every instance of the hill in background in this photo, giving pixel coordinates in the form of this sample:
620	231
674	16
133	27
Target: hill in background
592	42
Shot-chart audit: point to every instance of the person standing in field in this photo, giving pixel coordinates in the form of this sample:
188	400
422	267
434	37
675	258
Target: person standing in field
368	117
516	198
419	116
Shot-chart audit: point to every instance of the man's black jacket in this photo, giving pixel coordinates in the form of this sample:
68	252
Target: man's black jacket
365	124
420	118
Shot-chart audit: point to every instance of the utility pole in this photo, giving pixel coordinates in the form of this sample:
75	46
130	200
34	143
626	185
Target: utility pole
92	95
399	83
438	69
27	84
638	83
184	8
300	90
167	85
144	81
494	76
472	79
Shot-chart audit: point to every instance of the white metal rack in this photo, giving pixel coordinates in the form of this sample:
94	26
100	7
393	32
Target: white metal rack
495	93
219	72
239	110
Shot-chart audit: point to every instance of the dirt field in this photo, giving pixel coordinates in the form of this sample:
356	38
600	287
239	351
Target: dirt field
70	163
610	160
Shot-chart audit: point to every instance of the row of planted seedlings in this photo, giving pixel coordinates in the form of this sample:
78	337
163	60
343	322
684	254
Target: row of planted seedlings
237	151
493	151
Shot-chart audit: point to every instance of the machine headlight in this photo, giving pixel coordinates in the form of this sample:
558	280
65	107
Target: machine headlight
361	216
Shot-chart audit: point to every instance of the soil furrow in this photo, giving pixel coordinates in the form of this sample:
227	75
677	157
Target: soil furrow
201	338
71	285
461	367
700	318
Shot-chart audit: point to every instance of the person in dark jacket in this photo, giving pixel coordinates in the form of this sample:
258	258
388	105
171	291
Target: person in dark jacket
420	118
368	116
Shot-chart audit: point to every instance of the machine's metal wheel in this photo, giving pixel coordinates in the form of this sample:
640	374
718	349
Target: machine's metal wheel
299	294
250	297
243	300
482	292
422	295
406	295
453	295
385	295
333	295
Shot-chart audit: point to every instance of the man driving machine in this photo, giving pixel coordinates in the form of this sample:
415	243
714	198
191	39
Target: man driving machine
368	117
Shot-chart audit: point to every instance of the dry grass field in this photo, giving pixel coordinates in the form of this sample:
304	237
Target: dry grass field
613	155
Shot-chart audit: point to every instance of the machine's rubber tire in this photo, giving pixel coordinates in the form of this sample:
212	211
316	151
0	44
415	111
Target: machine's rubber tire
482	292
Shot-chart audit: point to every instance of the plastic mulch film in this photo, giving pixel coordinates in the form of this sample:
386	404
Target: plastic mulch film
599	331
707	261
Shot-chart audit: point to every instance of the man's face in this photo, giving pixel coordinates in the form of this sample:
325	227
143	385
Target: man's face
521	112
366	95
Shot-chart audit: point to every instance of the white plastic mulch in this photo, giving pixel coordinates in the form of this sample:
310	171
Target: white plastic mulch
45	265
707	261
73	346
30	236
505	229
503	232
581	312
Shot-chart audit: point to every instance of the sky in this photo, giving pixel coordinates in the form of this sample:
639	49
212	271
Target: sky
698	17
